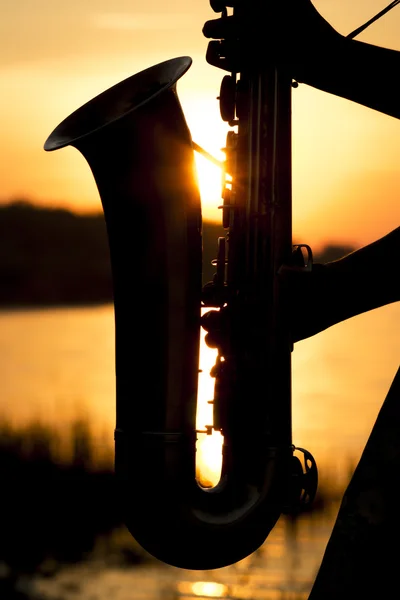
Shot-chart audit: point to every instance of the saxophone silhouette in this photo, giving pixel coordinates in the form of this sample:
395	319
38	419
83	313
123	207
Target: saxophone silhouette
135	139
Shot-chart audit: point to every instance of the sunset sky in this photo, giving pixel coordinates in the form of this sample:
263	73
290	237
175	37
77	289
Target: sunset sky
54	56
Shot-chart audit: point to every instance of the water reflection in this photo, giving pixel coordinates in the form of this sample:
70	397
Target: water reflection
201	589
58	365
57	369
340	380
284	568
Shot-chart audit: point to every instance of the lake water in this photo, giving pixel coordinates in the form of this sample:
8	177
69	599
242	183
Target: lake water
58	364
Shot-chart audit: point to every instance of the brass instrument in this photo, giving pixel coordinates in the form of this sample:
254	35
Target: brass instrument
138	146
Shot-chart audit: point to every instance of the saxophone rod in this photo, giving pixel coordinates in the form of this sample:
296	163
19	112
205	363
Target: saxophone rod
207	155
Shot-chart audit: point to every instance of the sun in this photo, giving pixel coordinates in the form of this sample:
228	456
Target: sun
210	186
209	131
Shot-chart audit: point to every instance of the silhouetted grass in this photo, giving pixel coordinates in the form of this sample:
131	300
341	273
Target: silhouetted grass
53	508
58	498
59	505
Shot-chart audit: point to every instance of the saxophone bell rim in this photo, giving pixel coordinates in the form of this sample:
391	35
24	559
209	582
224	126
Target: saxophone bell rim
78	125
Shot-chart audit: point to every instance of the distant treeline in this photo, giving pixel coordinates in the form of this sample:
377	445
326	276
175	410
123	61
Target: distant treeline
53	256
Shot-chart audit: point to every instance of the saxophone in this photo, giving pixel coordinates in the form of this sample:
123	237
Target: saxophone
136	141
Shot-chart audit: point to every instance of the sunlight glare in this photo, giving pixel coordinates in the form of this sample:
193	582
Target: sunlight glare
210	185
209	447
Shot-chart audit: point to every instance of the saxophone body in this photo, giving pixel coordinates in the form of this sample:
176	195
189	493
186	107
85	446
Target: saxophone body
135	139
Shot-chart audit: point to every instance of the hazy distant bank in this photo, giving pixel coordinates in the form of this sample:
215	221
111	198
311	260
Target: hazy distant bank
53	256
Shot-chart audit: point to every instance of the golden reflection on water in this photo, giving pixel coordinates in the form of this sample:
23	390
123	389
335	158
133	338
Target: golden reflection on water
58	364
203	589
340	381
57	379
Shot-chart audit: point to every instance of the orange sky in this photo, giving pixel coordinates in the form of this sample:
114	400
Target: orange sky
54	56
